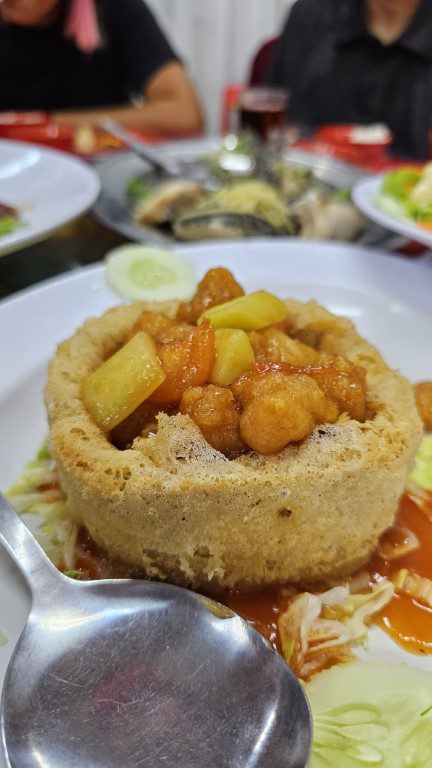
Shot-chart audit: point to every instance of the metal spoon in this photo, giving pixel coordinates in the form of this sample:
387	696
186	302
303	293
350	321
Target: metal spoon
163	170
144	151
122	674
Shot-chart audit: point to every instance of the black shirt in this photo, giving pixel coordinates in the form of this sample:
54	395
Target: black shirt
338	72
41	69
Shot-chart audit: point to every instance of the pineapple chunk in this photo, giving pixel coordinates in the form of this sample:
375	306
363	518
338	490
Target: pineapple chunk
123	382
250	313
234	355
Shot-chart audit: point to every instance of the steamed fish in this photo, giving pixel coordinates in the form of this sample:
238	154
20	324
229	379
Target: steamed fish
243	209
167	200
321	218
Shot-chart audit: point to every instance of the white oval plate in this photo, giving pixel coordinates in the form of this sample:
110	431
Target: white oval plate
365	194
379	292
48	187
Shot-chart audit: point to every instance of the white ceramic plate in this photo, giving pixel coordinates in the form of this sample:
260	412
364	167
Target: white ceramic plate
365	194
48	187
379	292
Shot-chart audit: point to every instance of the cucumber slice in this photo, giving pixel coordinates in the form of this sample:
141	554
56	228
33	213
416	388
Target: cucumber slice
149	274
369	714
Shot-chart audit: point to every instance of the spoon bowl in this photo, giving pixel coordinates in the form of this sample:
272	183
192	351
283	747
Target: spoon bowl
127	673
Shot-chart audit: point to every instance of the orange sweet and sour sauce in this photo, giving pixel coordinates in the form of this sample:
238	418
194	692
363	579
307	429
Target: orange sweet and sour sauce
408	622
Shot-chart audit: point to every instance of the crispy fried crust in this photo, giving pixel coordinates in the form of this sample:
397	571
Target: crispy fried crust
181	511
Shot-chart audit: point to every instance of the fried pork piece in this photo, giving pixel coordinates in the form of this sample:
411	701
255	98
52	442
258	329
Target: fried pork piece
423	396
274	346
341	381
159	327
217	286
280	409
345	384
215	412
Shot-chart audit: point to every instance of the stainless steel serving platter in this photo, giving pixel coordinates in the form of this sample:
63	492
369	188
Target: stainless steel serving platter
113	208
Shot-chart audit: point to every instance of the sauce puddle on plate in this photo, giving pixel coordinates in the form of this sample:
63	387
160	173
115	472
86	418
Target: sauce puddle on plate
407	621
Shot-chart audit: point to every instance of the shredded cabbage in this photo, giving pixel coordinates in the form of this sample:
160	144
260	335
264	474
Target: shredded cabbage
35	473
37	492
318	630
412	584
363	607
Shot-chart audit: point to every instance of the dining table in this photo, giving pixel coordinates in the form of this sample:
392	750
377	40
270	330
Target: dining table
85	240
77	244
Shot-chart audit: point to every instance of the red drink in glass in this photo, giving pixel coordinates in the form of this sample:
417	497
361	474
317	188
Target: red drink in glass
263	112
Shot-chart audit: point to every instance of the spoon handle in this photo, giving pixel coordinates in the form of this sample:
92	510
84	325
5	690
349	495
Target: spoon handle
142	150
30	558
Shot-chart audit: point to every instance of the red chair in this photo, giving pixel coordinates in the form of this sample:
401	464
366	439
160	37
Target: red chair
262	61
259	69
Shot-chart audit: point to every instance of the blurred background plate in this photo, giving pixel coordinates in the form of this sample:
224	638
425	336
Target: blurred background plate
47	187
365	194
113	208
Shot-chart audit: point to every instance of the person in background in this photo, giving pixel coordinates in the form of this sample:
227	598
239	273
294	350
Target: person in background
83	61
360	61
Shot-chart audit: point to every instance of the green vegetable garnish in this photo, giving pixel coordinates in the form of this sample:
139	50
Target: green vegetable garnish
76	574
407	193
422	472
421	214
43	452
137	189
8	224
400	184
341	196
296	172
301	173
